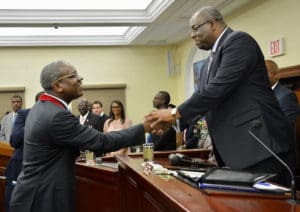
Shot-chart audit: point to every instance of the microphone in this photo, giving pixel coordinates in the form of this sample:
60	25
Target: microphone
257	124
180	159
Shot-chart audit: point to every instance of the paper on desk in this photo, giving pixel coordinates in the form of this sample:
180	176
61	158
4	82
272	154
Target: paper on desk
157	168
193	174
270	187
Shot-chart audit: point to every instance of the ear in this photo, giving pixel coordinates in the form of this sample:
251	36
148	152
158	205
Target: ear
57	88
213	24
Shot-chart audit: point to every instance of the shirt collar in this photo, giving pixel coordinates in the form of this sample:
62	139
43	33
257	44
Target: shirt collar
62	101
215	46
85	115
274	86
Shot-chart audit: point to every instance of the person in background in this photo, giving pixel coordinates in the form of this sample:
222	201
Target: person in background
166	141
86	117
97	108
117	121
52	140
197	136
14	166
9	119
234	94
287	99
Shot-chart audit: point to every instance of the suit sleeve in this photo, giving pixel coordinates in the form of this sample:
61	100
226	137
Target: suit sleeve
236	58
17	135
67	131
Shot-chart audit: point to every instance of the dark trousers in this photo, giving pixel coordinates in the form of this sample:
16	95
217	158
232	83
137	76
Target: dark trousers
8	190
12	172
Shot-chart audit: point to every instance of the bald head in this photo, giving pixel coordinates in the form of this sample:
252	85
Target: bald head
83	106
52	72
208	13
61	79
272	68
206	26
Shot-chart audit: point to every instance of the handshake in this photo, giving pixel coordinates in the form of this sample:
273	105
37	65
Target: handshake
159	122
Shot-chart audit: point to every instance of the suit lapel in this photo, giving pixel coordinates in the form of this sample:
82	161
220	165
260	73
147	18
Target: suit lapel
217	56
87	120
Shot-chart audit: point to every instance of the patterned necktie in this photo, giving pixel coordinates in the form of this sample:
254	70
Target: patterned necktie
210	59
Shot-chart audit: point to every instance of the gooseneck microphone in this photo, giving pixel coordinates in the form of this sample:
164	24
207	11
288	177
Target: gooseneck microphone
180	159
257	124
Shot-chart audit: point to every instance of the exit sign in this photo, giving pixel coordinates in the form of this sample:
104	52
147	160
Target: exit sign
276	47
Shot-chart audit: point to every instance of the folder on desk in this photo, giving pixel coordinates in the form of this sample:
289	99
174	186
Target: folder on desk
226	179
223	176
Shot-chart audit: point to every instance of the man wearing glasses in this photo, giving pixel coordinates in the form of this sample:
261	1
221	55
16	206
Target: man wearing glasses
52	140
234	94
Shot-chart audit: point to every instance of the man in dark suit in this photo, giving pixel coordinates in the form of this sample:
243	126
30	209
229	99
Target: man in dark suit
234	92
287	99
14	166
97	108
52	140
86	117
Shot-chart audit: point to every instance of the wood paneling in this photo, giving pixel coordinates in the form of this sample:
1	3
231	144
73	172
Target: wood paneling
5	152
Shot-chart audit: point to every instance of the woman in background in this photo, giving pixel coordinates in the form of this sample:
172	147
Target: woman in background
117	121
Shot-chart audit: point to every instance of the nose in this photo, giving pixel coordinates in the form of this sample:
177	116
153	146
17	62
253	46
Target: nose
193	34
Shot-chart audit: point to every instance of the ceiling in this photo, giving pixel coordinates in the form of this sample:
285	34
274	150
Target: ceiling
161	22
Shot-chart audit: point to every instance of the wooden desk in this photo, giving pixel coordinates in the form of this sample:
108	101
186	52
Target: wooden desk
99	188
129	189
156	193
5	152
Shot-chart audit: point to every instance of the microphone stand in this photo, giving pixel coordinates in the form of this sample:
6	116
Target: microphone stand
293	199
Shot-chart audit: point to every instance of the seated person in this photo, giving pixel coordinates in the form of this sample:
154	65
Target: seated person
286	98
117	121
86	117
197	136
166	141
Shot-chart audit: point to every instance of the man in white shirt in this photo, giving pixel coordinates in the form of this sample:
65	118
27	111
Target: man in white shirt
97	108
86	117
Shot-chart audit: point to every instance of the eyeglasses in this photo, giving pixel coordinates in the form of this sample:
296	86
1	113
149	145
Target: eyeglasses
116	106
73	75
196	28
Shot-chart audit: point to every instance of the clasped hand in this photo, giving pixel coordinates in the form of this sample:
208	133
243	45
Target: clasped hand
158	122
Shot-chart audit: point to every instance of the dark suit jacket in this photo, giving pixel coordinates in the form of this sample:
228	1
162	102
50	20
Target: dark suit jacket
288	102
53	138
103	118
236	92
17	135
93	121
164	142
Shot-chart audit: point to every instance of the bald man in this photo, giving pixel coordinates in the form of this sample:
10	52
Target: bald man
52	140
287	99
234	92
